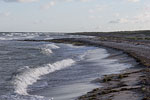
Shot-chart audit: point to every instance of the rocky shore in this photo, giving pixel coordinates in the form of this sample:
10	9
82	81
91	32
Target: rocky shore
131	84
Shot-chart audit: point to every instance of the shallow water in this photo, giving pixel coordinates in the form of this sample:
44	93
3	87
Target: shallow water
44	70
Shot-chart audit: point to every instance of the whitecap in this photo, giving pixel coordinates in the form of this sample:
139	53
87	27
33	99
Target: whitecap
31	75
52	46
23	97
47	48
46	51
1	38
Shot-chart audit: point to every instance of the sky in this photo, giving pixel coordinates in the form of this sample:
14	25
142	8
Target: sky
74	15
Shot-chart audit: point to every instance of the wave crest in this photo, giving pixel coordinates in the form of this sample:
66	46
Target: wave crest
31	75
47	49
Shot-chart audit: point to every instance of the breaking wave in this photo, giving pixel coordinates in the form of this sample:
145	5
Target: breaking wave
31	75
52	46
23	97
15	36
24	35
47	49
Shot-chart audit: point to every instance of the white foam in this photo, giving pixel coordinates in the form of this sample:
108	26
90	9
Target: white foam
73	46
52	46
15	36
47	48
49	38
31	75
2	38
23	97
92	55
22	34
46	51
111	66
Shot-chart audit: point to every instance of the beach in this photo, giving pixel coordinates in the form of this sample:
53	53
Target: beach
75	66
75	50
132	84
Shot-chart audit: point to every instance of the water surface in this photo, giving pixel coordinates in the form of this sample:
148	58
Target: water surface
45	70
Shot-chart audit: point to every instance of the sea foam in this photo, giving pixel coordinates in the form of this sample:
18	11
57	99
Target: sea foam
27	76
18	36
52	46
47	49
31	75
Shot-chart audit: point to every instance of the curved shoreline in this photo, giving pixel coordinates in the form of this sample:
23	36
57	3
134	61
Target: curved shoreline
133	83
125	84
127	47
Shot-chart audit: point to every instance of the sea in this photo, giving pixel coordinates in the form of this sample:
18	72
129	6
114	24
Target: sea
31	70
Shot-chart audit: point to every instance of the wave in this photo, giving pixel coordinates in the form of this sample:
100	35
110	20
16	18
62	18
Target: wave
29	35
31	75
102	57
20	34
47	49
23	97
92	55
52	46
2	38
16	36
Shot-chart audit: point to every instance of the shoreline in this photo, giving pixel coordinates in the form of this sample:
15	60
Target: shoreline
115	86
132	84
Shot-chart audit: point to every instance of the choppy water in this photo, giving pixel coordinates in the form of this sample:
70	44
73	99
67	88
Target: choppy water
45	71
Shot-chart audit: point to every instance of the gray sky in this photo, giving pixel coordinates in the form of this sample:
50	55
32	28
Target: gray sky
74	15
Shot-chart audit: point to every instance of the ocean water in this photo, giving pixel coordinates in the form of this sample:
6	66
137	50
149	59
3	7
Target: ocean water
50	71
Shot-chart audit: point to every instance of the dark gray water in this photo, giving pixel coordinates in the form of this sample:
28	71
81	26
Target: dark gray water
45	71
